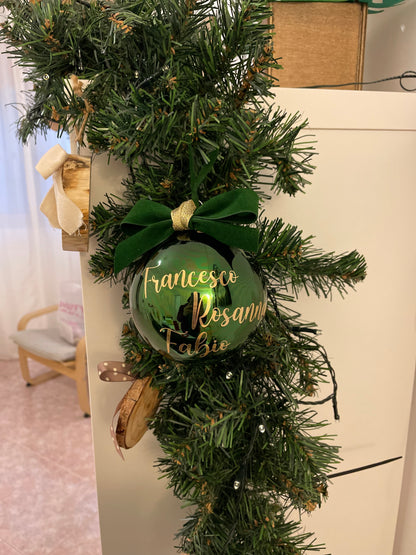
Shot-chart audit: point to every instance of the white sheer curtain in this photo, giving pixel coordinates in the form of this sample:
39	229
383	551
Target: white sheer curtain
32	263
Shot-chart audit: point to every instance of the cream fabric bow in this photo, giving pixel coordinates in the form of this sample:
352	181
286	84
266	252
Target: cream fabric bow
61	212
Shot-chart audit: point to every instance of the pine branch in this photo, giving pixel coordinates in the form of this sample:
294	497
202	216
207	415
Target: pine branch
291	260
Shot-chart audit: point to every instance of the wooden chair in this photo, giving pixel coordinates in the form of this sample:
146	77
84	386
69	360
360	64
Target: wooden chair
48	348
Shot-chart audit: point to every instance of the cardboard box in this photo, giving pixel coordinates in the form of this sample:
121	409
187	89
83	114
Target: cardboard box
319	43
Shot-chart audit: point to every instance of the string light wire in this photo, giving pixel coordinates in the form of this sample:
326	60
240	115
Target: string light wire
409	74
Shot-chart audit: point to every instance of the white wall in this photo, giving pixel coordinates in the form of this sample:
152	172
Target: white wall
391	46
391	50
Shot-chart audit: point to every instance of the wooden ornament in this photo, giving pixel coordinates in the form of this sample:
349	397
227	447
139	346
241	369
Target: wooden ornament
138	405
76	173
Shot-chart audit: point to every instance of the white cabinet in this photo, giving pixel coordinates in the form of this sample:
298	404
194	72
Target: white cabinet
362	196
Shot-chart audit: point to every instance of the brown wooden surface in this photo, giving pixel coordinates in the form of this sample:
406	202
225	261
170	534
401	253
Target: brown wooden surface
319	43
76	181
138	405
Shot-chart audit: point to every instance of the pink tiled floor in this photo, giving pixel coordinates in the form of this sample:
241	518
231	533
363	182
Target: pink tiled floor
48	503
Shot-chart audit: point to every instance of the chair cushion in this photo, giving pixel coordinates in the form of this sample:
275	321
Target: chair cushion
45	343
70	312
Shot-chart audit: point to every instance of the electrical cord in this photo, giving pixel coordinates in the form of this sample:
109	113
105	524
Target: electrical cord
409	74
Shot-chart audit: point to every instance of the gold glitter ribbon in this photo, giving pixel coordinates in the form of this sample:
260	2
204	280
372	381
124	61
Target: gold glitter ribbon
181	215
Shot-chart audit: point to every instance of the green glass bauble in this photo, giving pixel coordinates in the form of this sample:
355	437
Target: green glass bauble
196	297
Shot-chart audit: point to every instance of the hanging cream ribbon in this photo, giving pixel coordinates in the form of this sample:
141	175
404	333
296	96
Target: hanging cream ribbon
61	212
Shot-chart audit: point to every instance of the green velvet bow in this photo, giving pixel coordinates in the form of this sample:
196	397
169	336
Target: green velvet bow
219	217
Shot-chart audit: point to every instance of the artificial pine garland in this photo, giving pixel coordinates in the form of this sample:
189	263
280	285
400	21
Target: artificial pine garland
177	89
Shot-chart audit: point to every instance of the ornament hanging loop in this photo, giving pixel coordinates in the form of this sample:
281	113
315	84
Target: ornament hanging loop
77	86
181	215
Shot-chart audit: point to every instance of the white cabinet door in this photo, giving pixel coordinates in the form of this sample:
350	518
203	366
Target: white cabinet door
363	196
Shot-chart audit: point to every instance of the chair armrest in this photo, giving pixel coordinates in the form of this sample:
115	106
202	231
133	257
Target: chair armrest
23	322
81	354
81	346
